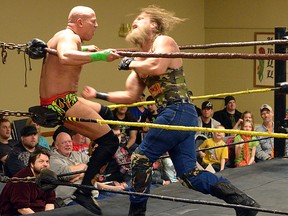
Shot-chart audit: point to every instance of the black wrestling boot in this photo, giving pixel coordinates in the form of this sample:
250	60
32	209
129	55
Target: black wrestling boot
87	201
103	153
137	209
230	194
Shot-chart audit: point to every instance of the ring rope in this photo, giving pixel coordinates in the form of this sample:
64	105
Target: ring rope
5	179
206	149
218	45
206	55
197	55
174	199
176	127
199	97
233	44
167	156
232	144
16	179
151	125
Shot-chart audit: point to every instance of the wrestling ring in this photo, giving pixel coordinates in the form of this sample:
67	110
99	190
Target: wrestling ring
266	181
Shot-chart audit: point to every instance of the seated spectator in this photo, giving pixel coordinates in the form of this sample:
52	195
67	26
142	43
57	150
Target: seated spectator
151	115
42	141
138	111
265	149
206	120
229	115
6	143
64	160
18	157
23	198
245	152
169	169
60	129
128	133
80	143
159	177
246	116
216	157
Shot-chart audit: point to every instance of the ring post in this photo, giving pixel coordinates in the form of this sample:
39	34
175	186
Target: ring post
279	98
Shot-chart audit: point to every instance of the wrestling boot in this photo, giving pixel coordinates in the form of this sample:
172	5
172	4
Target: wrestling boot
107	146
137	209
87	201
230	194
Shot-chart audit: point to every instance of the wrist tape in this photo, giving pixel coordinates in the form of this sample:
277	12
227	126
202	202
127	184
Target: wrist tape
101	95
99	56
83	48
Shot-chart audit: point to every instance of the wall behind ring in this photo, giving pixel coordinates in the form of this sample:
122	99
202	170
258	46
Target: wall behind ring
232	21
209	21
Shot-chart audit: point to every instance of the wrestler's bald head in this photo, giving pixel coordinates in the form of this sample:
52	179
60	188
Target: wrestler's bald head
79	12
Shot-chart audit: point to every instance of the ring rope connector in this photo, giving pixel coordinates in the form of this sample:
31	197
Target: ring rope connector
282	87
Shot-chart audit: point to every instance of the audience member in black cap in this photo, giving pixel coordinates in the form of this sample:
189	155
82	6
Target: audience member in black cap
229	115
18	157
206	120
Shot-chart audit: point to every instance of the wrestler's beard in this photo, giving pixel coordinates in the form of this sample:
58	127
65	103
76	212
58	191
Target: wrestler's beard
138	37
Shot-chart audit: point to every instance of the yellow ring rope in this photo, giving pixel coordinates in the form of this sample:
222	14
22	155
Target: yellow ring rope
197	97
183	128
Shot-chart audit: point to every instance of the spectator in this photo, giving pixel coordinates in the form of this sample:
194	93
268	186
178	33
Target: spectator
138	111
206	120
23	198
229	115
246	116
151	115
159	177
216	157
245	152
265	149
168	168
64	160
18	157
42	141
6	143
128	133
80	143
60	129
